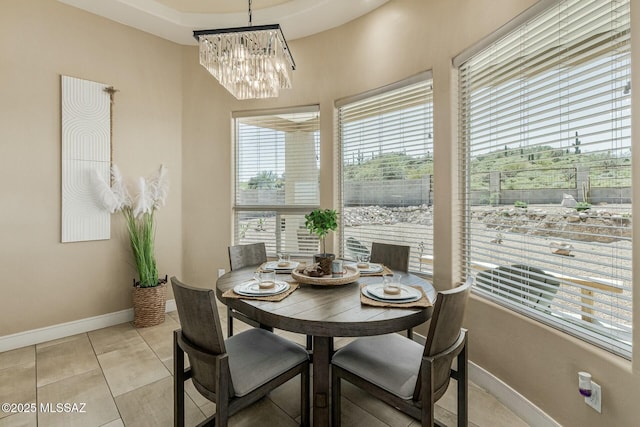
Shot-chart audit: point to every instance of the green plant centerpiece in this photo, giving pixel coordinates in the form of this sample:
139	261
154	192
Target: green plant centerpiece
149	291
320	222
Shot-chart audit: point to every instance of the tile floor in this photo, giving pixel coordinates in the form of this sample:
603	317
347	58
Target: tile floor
123	376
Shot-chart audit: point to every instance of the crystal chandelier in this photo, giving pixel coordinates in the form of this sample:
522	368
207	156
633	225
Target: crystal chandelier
250	62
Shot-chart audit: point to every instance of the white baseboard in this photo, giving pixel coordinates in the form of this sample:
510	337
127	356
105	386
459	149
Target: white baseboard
506	395
510	398
37	336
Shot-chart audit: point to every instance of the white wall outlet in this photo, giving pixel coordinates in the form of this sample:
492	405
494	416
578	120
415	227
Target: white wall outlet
595	400
220	272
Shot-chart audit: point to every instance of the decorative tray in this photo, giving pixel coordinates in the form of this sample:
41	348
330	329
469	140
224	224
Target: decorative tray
350	275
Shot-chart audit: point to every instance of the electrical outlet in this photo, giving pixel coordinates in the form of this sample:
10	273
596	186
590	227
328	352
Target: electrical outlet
595	400
220	272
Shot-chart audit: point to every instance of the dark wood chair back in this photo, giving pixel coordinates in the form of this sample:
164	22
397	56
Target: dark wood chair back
244	255
359	363
446	336
262	361
201	335
396	257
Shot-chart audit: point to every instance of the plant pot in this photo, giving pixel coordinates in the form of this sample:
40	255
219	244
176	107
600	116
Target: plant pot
324	261
149	305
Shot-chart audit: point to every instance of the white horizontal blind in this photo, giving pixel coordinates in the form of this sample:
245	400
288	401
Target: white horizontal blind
545	128
276	178
386	170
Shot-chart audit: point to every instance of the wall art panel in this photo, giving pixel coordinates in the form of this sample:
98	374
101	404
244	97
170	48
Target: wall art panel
86	148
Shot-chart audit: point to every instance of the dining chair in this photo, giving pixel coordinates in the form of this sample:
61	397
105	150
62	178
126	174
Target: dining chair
396	257
524	284
409	376
232	373
242	256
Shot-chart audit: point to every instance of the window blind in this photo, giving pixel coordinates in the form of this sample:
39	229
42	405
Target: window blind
546	160
386	170
276	178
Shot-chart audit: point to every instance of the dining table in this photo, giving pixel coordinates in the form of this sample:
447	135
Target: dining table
325	312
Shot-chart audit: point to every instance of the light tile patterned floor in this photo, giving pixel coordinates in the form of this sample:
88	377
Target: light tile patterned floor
124	377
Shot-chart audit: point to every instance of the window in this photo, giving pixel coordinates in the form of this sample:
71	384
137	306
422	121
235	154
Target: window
276	178
545	133
386	169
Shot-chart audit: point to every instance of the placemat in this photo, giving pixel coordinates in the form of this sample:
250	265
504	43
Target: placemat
422	302
279	270
385	270
274	298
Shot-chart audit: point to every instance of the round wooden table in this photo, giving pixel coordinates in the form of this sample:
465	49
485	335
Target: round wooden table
325	312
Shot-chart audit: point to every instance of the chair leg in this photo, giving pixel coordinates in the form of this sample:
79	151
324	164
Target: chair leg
309	342
410	333
178	383
304	397
463	401
427	392
336	410
229	322
222	391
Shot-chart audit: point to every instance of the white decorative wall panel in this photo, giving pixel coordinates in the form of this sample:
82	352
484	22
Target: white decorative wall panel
86	147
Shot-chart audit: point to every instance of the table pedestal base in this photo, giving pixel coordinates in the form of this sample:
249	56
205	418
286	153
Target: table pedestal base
321	380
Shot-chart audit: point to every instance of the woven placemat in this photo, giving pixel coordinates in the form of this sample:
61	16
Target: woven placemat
274	298
422	302
385	270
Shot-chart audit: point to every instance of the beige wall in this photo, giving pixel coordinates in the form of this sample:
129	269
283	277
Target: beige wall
45	282
398	40
170	110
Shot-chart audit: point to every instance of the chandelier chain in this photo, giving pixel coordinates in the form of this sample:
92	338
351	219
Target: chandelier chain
250	17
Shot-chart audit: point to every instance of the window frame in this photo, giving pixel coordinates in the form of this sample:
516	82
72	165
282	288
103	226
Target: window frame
422	78
279	210
615	345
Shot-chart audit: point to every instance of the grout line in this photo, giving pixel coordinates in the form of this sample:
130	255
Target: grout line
105	380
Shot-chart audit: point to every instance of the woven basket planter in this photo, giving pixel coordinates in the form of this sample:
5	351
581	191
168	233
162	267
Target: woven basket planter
149	305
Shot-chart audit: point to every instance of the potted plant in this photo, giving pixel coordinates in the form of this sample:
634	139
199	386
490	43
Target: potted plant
320	222
149	291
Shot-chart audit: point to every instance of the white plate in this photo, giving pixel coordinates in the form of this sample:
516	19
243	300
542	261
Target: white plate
390	301
252	288
273	265
407	293
373	267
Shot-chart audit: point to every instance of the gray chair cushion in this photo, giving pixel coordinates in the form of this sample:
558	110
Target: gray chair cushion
257	356
391	362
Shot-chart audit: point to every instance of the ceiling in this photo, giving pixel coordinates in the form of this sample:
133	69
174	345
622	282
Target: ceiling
175	20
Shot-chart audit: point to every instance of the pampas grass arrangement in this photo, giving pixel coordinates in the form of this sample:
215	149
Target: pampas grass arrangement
139	216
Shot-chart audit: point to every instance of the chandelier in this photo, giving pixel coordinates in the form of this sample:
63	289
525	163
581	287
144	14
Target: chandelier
250	62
